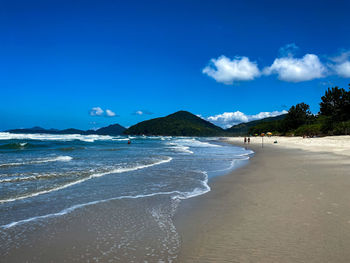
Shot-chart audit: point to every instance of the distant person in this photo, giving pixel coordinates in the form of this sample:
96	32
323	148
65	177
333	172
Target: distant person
129	142
248	140
245	140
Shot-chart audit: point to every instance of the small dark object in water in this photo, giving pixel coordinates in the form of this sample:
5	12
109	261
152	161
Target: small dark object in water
275	142
129	142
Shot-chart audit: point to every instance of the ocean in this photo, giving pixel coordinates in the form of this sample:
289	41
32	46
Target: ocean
98	198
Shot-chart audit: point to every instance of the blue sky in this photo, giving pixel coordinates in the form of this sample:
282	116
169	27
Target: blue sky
145	59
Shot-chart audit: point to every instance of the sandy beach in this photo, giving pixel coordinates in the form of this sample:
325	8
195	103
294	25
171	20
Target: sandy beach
291	203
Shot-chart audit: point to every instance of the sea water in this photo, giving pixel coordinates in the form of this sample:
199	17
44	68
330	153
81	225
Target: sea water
124	195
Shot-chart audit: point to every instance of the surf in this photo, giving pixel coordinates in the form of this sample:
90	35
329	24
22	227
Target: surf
95	175
38	161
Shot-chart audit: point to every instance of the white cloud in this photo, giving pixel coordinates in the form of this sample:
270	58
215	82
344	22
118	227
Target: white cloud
110	113
228	119
287	67
342	57
266	114
342	69
297	69
96	111
143	112
342	64
288	50
227	71
99	112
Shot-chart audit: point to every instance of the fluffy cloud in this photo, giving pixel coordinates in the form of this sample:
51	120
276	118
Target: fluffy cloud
287	67
227	71
297	69
343	69
227	119
341	66
143	112
110	113
342	57
96	111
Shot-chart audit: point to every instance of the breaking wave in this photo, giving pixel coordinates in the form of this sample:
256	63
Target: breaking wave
54	137
175	195
94	175
39	160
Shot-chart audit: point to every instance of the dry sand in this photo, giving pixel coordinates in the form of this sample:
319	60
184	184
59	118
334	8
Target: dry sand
332	144
291	203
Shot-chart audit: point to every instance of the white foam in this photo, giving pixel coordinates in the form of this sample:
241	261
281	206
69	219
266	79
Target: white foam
53	137
40	160
177	195
31	177
195	143
248	152
184	144
243	157
114	171
197	191
180	148
72	208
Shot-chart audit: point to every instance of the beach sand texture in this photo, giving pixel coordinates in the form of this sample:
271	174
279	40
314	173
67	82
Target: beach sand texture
291	203
330	144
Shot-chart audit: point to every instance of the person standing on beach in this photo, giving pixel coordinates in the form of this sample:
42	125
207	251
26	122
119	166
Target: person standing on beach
248	140
245	140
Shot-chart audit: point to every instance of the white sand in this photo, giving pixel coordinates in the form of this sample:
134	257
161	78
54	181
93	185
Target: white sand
332	144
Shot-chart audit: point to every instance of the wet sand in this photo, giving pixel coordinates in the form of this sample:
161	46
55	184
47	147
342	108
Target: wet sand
286	205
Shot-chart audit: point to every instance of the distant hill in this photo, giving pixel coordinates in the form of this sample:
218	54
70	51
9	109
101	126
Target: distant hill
181	123
114	129
243	128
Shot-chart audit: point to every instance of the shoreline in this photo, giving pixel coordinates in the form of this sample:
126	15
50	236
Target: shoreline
288	204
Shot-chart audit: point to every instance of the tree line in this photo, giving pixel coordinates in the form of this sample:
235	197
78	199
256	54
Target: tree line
332	119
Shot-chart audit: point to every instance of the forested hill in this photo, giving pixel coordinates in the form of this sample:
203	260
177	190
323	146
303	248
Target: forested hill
243	128
181	123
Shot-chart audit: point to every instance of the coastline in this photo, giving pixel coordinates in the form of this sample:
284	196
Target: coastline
289	204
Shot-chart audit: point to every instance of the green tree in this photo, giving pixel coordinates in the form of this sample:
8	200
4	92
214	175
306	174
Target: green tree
298	115
336	104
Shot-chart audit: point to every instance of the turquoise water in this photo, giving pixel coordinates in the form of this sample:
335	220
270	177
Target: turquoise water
50	176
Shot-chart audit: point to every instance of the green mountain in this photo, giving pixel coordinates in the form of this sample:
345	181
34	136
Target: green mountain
243	128
181	123
114	129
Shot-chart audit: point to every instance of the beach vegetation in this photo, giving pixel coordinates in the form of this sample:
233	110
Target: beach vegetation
297	116
333	118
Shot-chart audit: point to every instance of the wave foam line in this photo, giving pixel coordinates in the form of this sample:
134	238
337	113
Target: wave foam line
249	152
53	137
179	195
120	170
55	159
180	148
31	178
233	162
195	143
72	208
